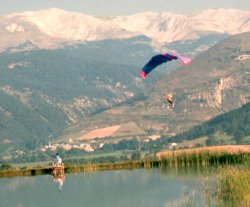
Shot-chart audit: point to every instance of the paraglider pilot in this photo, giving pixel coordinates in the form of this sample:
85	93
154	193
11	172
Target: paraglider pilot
170	100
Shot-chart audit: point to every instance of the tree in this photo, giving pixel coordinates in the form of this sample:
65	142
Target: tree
136	155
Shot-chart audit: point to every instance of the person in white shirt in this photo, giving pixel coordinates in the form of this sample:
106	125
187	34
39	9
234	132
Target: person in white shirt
58	160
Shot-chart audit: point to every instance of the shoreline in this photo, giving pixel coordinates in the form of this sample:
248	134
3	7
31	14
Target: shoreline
186	158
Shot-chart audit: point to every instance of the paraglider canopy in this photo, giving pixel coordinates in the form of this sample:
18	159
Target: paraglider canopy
162	58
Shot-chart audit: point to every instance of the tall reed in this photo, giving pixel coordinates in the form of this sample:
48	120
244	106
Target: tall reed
233	188
198	158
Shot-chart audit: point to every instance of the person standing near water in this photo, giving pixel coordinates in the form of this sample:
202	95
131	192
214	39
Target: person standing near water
58	160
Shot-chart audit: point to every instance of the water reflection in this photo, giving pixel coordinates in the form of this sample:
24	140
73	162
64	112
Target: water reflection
58	176
60	181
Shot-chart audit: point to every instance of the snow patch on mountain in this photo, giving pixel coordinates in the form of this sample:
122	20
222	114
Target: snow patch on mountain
14	28
229	21
163	27
168	27
73	26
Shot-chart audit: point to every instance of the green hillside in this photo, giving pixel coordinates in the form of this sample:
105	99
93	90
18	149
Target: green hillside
45	91
235	123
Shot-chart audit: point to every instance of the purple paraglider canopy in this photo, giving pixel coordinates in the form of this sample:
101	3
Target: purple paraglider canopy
162	58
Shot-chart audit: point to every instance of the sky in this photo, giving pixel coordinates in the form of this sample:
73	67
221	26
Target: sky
121	7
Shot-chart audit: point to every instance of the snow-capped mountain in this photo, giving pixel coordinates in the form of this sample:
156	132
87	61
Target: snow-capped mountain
49	28
167	27
72	26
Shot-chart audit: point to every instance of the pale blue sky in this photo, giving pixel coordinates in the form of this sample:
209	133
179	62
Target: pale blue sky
121	7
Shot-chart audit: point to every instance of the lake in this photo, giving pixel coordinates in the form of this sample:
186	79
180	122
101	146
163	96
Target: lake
123	188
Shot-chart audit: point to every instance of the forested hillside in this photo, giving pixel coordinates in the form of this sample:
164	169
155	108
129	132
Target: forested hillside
235	123
44	91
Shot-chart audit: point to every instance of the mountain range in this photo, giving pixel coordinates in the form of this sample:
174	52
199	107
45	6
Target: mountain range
64	74
53	27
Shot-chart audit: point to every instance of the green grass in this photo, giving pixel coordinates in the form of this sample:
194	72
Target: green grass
233	188
96	155
31	164
223	138
246	140
193	143
225	186
201	158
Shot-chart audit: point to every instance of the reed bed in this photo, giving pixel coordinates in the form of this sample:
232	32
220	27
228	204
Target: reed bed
233	186
231	173
202	157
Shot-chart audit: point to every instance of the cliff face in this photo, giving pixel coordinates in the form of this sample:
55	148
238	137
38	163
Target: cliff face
215	97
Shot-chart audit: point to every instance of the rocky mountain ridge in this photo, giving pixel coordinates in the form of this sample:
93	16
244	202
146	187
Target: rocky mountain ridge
53	27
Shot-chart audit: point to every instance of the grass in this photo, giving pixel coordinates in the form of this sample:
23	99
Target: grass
233	187
231	174
30	164
95	155
204	157
192	143
246	139
226	186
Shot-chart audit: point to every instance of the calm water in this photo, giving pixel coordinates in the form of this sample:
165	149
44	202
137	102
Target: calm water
136	188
